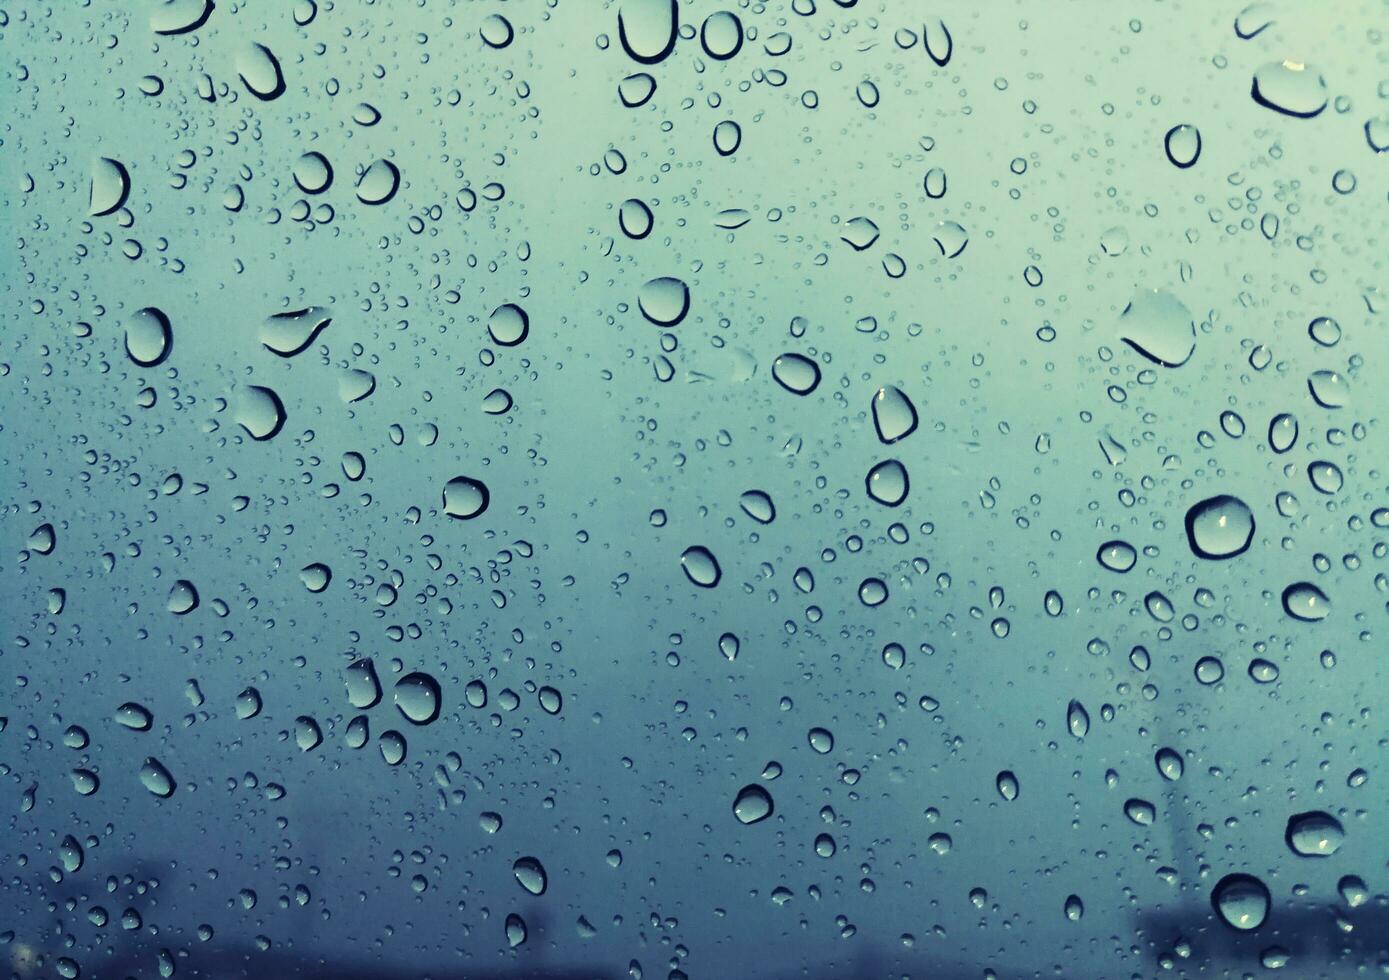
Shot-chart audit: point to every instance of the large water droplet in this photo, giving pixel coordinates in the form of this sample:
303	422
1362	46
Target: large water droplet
155	778
260	72
1291	88
149	338
796	373
1241	901
1329	388
646	29
183	598
1159	326
664	301
508	325
1282	432
530	875
894	415
701	567
1314	834
887	482
721	35
1306	602
465	498
110	186
1182	145
363	686
1219	527
179	16
378	182
260	412
1077	719
418	698
291	332
753	804
758	505
1117	556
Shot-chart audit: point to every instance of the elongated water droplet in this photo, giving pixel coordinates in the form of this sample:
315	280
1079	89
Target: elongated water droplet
149	338
796	373
894	415
701	567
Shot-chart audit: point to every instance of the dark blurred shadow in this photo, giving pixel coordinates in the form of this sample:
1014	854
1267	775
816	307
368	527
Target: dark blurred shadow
1325	940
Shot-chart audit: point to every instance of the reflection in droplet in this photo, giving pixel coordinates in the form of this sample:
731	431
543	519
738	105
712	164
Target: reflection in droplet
155	778
1241	901
183	598
1314	834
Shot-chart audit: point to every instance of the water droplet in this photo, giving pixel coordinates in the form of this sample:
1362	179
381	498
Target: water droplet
260	72
1007	784
728	136
1140	812
701	567
872	592
496	31
291	333
497	402
636	89
260	412
728	646
646	29
363	686
894	415
1219	527
951	238
1291	88
110	186
1353	891
465	498
1314	834
149	338
515	930
859	233
664	301
248	704
1282	432
1169	764
183	598
418	698
1209	670
393	747
134	716
635	218
530	875
378	183
508	325
1183	145
888	483
796	373
1305	602
934	183
1077	719
758	505
1329	388
155	778
1241	901
313	173
1325	331
316	577
1159	326
936	39
179	16
721	35
821	740
753	804
1074	908
1117	556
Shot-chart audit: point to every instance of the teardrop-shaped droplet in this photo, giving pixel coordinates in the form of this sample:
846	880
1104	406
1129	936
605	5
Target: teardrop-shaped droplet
1007	784
155	778
1169	764
1077	719
183	598
363	686
316	576
1282	432
260	72
260	412
894	415
418	698
291	332
134	716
